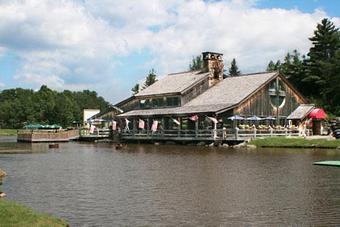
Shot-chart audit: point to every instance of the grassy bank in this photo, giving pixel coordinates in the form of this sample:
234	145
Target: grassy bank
12	214
295	143
8	132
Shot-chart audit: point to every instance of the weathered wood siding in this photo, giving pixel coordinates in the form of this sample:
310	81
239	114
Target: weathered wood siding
131	105
260	104
195	91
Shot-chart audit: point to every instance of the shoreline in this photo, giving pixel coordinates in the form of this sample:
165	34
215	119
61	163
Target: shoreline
300	143
13	214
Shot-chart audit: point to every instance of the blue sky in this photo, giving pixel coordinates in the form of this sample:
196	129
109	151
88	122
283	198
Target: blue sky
108	46
332	7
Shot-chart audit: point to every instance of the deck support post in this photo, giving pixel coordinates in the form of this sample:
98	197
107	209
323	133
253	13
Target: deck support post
271	131
134	126
163	126
254	132
179	127
196	129
236	133
147	126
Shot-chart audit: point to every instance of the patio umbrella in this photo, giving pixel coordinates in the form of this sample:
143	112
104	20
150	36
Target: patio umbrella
236	117
269	118
254	118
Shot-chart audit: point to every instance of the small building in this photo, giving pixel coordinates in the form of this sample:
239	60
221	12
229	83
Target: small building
191	100
309	118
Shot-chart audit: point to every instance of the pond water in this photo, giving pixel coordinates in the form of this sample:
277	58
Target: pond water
147	185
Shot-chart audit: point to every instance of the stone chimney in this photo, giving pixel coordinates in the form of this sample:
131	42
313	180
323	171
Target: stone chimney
213	63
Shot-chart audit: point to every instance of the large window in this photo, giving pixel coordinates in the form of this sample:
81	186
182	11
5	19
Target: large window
152	103
277	93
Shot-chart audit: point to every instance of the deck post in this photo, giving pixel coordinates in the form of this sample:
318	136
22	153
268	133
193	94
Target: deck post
286	131
254	132
133	126
196	129
236	133
179	127
147	126
271	131
162	128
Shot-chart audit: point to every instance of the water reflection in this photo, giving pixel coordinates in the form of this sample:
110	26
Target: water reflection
145	185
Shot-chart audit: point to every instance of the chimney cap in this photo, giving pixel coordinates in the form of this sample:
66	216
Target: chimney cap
212	56
210	52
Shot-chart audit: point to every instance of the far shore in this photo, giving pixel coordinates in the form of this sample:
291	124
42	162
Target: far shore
8	132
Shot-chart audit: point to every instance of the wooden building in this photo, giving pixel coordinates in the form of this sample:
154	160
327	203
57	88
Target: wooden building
192	100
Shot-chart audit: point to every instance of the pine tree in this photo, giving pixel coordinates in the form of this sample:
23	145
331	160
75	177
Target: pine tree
197	63
233	70
135	89
271	67
150	79
323	63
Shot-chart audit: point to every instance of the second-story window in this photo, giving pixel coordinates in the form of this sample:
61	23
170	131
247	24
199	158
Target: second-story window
159	102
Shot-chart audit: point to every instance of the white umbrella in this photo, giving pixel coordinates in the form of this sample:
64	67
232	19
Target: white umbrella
254	118
236	117
269	118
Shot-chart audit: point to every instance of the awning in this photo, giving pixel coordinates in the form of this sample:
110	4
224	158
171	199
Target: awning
317	113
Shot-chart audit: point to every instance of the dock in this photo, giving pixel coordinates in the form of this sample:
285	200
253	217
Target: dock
328	163
32	136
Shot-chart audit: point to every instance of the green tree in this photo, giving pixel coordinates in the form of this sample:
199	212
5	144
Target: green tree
135	89
23	106
323	62
150	79
197	63
233	69
273	66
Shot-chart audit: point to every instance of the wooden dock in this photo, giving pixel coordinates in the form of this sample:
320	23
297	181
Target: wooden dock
100	134
32	136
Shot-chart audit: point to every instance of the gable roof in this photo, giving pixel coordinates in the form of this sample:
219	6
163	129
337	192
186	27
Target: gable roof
223	96
174	83
233	90
301	112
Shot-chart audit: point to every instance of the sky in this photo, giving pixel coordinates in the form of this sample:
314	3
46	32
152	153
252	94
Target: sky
110	45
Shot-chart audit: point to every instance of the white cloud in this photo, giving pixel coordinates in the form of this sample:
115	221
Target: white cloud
72	44
2	85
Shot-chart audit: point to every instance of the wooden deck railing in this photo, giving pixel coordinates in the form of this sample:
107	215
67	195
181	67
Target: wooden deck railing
208	134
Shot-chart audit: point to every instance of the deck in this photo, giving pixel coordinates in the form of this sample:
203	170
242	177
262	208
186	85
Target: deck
206	136
86	135
32	136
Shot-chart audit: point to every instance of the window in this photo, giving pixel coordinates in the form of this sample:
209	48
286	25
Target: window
172	101
277	93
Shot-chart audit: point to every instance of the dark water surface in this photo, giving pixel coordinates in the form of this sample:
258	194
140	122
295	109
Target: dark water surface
146	185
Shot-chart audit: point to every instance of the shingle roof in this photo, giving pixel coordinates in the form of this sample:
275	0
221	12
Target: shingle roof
174	83
177	110
301	112
224	95
232	89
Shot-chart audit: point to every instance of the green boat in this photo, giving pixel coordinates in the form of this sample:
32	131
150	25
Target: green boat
328	163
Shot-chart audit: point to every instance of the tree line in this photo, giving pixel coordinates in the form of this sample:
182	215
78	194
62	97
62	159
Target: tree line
19	107
317	74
